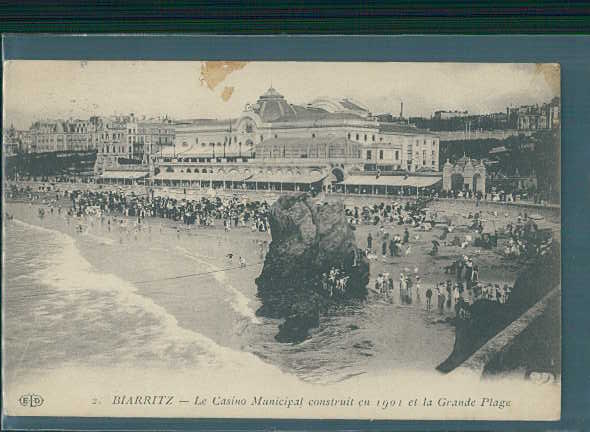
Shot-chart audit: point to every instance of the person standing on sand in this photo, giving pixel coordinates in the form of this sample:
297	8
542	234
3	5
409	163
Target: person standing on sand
456	296
406	236
402	287
441	300
409	289
370	241
428	299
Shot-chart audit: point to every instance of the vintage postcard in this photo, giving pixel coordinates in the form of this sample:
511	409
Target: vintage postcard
281	240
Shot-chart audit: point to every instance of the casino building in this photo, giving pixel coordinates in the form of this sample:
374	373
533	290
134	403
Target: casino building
329	144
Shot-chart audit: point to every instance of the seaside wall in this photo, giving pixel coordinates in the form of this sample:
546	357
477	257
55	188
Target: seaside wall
494	327
527	343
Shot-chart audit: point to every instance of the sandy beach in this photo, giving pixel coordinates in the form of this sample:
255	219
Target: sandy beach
172	299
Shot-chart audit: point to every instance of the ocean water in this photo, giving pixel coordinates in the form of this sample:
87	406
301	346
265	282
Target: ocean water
65	308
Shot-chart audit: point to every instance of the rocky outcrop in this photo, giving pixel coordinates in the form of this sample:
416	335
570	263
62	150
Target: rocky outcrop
307	240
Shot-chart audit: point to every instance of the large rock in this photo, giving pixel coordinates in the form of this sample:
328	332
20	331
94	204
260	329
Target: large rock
307	240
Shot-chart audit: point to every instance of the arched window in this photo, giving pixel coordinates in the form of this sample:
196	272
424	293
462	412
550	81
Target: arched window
313	135
365	137
348	135
357	137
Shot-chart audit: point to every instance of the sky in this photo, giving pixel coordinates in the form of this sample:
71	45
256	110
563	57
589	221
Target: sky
36	90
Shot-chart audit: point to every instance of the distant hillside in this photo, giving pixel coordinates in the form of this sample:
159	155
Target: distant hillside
517	156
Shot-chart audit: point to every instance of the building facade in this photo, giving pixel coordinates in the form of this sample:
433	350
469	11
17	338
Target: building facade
331	130
126	141
446	115
277	146
538	117
464	175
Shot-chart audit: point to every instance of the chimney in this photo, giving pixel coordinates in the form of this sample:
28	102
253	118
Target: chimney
401	110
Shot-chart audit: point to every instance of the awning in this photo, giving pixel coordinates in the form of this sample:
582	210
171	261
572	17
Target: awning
301	179
414	181
184	176
127	175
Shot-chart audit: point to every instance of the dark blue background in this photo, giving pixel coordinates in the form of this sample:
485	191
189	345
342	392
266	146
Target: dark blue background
572	52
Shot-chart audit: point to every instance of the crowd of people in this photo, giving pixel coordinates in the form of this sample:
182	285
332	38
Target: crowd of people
393	213
204	212
523	237
519	237
335	281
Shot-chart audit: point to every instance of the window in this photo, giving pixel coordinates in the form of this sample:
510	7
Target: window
357	137
380	154
313	135
373	138
397	155
348	135
365	137
197	140
261	138
276	136
369	155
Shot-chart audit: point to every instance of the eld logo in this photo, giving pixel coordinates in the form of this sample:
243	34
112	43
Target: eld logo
31	400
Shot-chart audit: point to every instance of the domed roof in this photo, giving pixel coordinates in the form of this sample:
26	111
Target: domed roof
272	93
272	105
